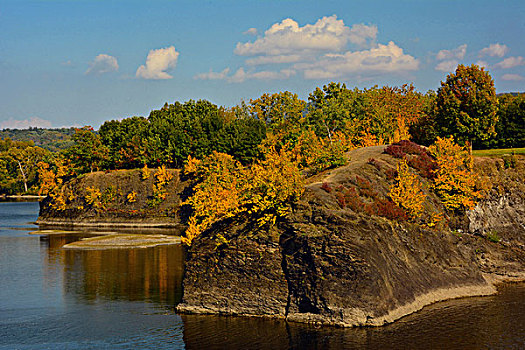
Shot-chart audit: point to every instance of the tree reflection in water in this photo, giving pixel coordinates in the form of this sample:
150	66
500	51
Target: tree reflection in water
150	274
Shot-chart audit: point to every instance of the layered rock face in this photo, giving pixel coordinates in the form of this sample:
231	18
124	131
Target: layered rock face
122	198
330	265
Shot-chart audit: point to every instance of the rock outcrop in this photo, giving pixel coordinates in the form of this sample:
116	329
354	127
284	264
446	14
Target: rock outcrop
113	206
327	264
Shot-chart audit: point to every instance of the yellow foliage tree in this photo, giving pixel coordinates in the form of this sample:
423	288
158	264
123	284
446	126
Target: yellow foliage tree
407	191
51	181
227	189
455	181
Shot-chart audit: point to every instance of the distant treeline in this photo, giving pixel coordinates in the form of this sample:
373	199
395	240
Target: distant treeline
333	119
50	139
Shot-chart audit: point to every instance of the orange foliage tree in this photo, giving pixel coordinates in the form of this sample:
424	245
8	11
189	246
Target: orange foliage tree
454	179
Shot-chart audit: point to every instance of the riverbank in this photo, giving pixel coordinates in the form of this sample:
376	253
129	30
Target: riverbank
21	197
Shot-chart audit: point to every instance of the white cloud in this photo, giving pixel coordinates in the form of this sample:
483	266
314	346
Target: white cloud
382	59
447	66
492	50
457	53
320	50
511	62
102	64
241	75
482	64
273	59
251	31
512	77
363	35
213	75
24	124
157	63
287	37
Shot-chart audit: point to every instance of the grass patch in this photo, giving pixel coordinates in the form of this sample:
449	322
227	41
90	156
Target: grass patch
493	237
497	152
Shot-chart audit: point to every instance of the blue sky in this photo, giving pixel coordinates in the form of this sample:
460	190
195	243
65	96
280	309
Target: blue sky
78	62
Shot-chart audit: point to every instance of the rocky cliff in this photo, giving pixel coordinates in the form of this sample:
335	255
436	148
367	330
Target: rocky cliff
122	198
340	263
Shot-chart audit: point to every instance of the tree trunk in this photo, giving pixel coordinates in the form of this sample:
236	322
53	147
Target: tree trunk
23	174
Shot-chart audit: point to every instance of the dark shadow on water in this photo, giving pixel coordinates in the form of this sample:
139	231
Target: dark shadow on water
496	322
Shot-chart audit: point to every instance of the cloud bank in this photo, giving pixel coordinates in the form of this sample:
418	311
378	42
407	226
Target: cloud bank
326	49
492	50
511	62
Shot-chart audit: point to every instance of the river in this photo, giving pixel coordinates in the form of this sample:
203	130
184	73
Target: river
52	298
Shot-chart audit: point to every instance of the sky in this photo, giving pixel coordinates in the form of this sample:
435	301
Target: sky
79	62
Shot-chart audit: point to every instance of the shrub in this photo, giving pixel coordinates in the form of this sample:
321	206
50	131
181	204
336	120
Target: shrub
493	237
404	147
326	187
395	151
424	164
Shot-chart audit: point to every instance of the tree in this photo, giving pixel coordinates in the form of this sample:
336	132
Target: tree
330	108
466	105
511	121
407	191
19	166
454	180
393	110
88	153
279	110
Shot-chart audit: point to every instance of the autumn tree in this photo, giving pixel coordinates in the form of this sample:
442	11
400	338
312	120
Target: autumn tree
19	166
466	105
227	189
393	110
407	191
454	180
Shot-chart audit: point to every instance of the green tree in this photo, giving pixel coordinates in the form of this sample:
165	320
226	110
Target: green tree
466	105
279	111
88	153
330	108
19	166
511	121
126	141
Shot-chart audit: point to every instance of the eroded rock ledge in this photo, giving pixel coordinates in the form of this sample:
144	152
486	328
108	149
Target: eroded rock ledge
332	266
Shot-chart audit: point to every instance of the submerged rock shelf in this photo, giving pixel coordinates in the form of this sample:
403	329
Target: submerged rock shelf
123	241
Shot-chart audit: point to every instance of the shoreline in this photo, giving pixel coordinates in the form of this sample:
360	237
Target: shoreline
360	317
